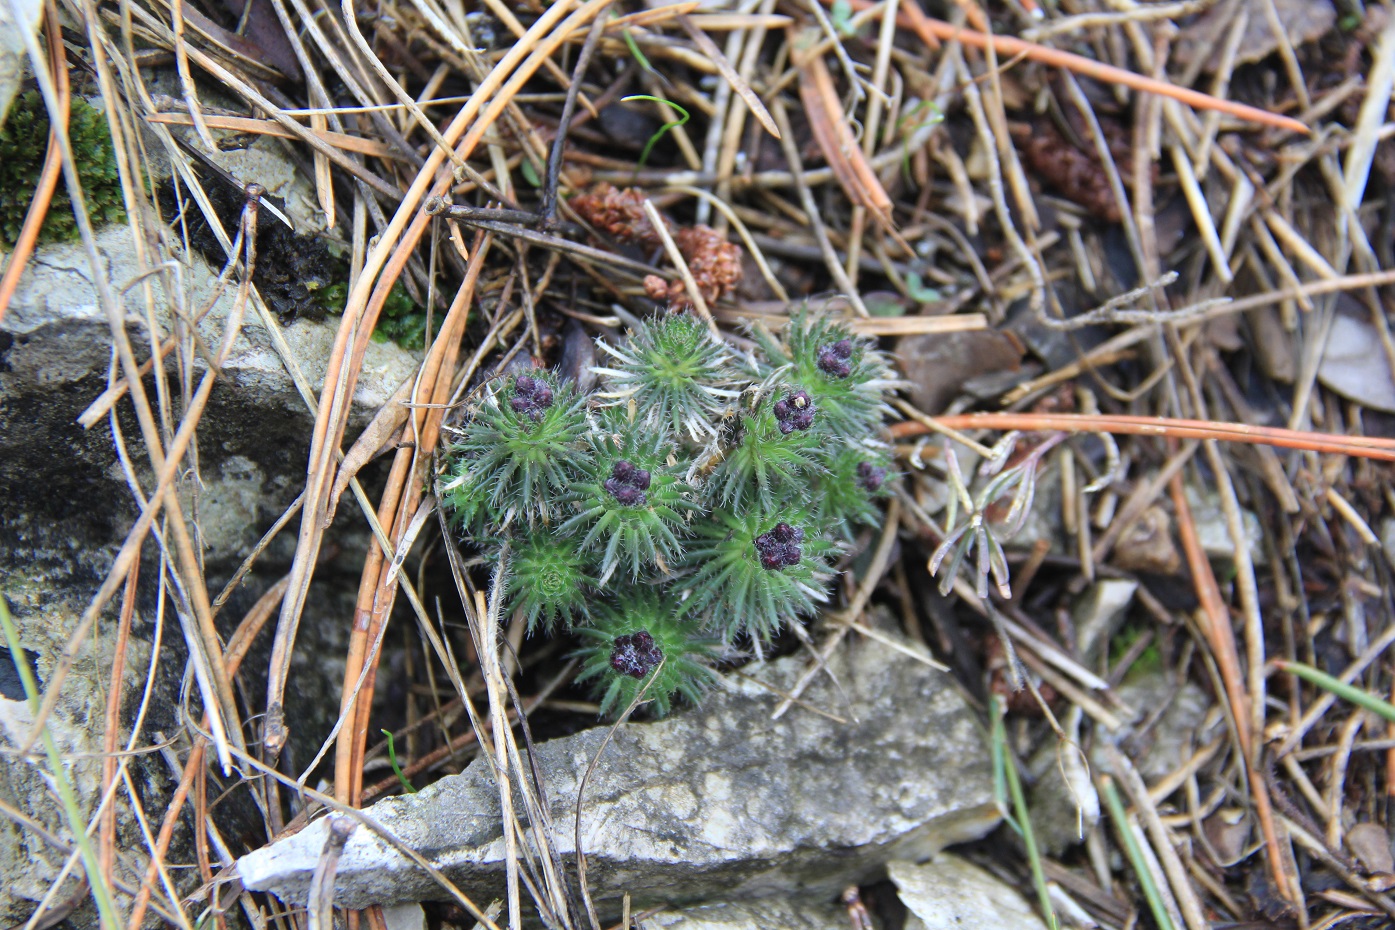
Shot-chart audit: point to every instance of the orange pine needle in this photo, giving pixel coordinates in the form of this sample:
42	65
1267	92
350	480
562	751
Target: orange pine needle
1360	446
931	31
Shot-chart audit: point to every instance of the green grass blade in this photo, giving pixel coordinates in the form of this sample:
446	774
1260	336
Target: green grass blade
634	50
397	769
101	894
1340	688
1022	815
1135	854
653	140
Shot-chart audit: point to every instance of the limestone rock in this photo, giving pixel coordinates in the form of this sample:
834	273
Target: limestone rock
719	803
65	508
1098	614
14	60
951	893
55	350
763	914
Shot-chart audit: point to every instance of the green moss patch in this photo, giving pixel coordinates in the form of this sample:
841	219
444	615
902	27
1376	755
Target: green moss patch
23	147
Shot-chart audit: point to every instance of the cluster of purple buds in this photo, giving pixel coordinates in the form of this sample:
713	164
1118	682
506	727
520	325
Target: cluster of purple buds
779	548
635	654
870	476
531	396
796	411
627	484
834	358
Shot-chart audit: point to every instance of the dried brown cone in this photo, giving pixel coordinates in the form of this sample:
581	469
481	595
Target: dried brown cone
1078	175
714	262
618	214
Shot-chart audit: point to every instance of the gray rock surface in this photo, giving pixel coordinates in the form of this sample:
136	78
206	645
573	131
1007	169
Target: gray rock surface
1098	614
29	864
1171	727
14	61
764	914
1167	726
55	350
719	803
65	507
951	893
1214	533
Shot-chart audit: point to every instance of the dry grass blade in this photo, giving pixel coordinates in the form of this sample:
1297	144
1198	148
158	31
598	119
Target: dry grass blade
365	302
730	75
830	126
267	127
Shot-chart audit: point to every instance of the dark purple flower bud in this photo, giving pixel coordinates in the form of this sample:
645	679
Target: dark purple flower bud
626	494
779	548
833	359
635	654
771	560
870	476
784	533
627	483
531	396
795	412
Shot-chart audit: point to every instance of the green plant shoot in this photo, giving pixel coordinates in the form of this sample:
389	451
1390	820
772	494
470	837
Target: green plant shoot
684	116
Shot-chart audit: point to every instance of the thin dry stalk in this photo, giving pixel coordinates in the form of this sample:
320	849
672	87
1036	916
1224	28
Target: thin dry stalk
1124	425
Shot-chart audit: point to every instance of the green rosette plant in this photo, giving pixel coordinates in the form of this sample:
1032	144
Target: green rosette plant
754	570
654	518
675	373
549	579
631	500
521	452
640	643
775	452
854	480
844	375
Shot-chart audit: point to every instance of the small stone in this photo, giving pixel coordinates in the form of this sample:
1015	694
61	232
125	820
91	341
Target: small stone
1228	830
951	893
404	917
1213	531
716	804
793	913
1147	545
1370	843
1099	613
